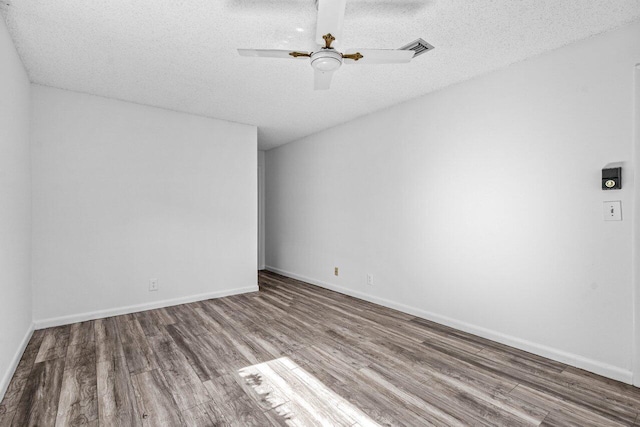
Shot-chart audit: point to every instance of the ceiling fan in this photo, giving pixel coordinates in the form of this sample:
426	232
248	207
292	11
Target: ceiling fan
326	60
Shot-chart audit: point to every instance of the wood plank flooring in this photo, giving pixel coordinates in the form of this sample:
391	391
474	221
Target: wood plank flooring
294	354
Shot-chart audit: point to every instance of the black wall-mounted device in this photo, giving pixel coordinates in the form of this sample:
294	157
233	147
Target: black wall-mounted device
612	179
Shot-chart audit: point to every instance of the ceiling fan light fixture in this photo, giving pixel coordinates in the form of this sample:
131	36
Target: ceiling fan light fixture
326	60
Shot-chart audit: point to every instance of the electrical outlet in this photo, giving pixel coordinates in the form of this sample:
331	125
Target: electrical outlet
153	285
335	271
370	279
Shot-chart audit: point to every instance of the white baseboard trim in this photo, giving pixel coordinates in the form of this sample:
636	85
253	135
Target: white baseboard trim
101	314
6	378
578	361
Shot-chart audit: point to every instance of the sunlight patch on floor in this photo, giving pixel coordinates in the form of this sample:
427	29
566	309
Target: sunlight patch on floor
291	393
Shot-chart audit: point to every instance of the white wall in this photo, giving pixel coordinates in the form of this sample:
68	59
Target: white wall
636	235
261	213
15	209
123	193
479	206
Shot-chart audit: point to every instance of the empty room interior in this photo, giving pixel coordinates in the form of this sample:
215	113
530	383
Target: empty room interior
319	213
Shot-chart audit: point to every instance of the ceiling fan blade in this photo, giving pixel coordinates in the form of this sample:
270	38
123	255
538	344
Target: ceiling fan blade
330	19
272	53
378	56
322	80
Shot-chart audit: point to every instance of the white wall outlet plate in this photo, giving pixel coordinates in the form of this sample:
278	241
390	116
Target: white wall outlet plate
153	285
612	211
370	279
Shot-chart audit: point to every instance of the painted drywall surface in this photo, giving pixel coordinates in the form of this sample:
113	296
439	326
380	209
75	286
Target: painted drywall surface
124	193
480	203
636	233
15	207
261	213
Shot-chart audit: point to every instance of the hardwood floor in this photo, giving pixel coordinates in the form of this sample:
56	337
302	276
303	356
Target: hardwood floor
295	354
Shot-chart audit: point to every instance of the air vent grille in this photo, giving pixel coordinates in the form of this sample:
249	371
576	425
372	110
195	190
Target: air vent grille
418	46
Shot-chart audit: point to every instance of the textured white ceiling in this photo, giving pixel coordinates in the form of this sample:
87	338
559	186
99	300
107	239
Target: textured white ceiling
181	55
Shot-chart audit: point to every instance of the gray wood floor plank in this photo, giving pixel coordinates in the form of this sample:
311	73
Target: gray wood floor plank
78	404
185	386
186	315
275	306
204	415
237	320
208	322
82	334
313	397
559	408
149	322
197	352
108	344
233	403
165	318
223	356
54	344
277	348
345	377
6	418
116	397
81	350
241	306
470	408
412	356
290	414
208	307
137	352
155	402
39	401
611	391
594	402
32	350
296	354
279	293
264	393
383	408
250	349
446	331
16	385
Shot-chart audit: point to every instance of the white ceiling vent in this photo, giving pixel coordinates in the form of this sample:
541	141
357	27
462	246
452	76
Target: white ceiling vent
418	46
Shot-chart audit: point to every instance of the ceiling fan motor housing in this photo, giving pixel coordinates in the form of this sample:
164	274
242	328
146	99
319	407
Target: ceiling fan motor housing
326	60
